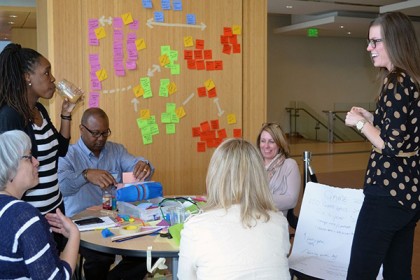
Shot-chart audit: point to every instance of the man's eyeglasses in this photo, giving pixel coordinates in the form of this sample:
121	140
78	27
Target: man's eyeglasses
27	157
98	134
373	42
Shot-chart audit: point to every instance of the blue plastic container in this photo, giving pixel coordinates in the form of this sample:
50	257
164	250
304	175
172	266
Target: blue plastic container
140	191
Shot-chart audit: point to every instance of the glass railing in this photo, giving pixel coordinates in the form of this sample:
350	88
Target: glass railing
327	126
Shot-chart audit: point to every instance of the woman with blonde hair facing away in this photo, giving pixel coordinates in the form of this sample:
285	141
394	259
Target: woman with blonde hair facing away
239	234
283	171
27	247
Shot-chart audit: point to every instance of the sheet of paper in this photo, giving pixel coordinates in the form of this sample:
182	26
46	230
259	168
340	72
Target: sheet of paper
108	222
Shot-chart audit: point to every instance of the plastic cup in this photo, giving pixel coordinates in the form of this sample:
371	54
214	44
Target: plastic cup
68	90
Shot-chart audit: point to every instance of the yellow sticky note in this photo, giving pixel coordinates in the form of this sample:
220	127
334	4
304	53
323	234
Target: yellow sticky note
101	74
236	29
180	112
140	44
188	41
127	18
163	60
209	84
231	119
172	88
100	33
138	91
144	114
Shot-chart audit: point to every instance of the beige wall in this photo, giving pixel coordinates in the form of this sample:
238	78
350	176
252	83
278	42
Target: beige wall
320	72
25	37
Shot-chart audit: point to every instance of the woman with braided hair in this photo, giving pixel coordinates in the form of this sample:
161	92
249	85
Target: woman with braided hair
25	76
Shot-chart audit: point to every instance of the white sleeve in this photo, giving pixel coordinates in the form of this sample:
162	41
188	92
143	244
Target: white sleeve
187	268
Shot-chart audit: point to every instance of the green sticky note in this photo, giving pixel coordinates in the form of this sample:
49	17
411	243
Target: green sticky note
165	118
170	107
173	55
170	128
164	82
165	50
175	69
151	120
174	118
147	139
146	130
141	123
175	231
154	129
163	91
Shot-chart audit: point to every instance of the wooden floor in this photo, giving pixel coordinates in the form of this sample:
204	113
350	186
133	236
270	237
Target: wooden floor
343	165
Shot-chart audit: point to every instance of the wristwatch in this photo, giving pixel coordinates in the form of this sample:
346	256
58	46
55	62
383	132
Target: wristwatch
84	173
360	124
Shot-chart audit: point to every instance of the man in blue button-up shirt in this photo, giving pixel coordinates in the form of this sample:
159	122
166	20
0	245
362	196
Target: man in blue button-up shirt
91	165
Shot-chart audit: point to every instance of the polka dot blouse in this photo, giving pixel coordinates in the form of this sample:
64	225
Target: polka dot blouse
397	116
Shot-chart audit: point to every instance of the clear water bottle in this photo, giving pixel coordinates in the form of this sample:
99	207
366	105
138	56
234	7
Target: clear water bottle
106	199
68	90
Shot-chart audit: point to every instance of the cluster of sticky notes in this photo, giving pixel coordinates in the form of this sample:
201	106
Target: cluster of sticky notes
93	24
166	88
210	135
170	118
166	5
209	89
229	39
95	83
199	58
148	128
168	59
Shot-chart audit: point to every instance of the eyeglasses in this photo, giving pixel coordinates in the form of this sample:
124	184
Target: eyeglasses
372	42
27	157
98	134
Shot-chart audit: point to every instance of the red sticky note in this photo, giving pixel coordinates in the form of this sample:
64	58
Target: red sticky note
208	135
227	49
199	64
212	93
224	40
201	147
236	48
210	65
222	133
199	44
198	54
196	131
188	54
191	64
208	54
237	133
205	126
212	143
233	39
201	91
214	124
227	31
218	65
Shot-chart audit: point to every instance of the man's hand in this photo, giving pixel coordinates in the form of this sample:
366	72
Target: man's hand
99	177
141	170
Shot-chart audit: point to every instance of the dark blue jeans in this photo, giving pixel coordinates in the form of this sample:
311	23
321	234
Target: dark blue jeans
384	235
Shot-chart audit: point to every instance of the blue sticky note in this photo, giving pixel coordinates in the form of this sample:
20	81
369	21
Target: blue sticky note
147	4
158	16
191	19
166	4
106	233
177	5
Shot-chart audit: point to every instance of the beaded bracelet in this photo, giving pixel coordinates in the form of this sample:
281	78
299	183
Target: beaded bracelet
67	118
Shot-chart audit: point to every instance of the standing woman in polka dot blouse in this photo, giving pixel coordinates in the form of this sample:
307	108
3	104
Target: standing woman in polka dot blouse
385	228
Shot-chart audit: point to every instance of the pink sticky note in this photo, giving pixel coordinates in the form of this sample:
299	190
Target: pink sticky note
118	22
128	178
94	99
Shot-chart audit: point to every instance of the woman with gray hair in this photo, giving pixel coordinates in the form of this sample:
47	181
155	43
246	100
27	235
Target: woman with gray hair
240	234
27	247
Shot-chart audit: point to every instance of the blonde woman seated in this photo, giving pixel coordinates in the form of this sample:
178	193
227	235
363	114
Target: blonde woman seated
27	246
283	172
240	234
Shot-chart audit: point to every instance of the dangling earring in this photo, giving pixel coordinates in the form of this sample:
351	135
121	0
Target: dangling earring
30	84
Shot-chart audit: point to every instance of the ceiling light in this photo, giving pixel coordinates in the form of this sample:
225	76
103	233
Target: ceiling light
289	7
11	22
341	26
349	33
13	16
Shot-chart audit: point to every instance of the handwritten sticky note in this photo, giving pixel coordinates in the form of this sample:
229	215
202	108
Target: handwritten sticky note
144	114
236	48
145	84
165	4
201	91
208	54
170	107
196	131
214	124
209	84
159	17
100	33
140	44
101	74
172	88
94	99
141	123
201	147
191	64
205	126
191	19
222	133
212	93
199	44
147	4
147	139
199	64
236	29
177	4
198	54
180	112
237	133
231	119
138	91
134	25
170	128
227	31
165	118
188	42
163	60
127	18
188	54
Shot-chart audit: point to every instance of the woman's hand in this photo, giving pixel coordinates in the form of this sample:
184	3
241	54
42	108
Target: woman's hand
67	107
62	224
365	113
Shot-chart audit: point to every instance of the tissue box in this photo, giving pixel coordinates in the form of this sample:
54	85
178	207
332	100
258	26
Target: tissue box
127	208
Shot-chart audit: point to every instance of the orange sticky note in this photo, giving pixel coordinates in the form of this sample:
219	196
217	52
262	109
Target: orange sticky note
188	54
212	93
163	60
127	18
199	44
138	91
218	65
237	132
222	133
208	54
101	74
233	39
236	48
191	64
231	119
196	131
100	33
140	44
214	124
201	91
145	114
227	31
205	126
198	54
224	40
180	112
210	65
172	88
199	64
201	147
